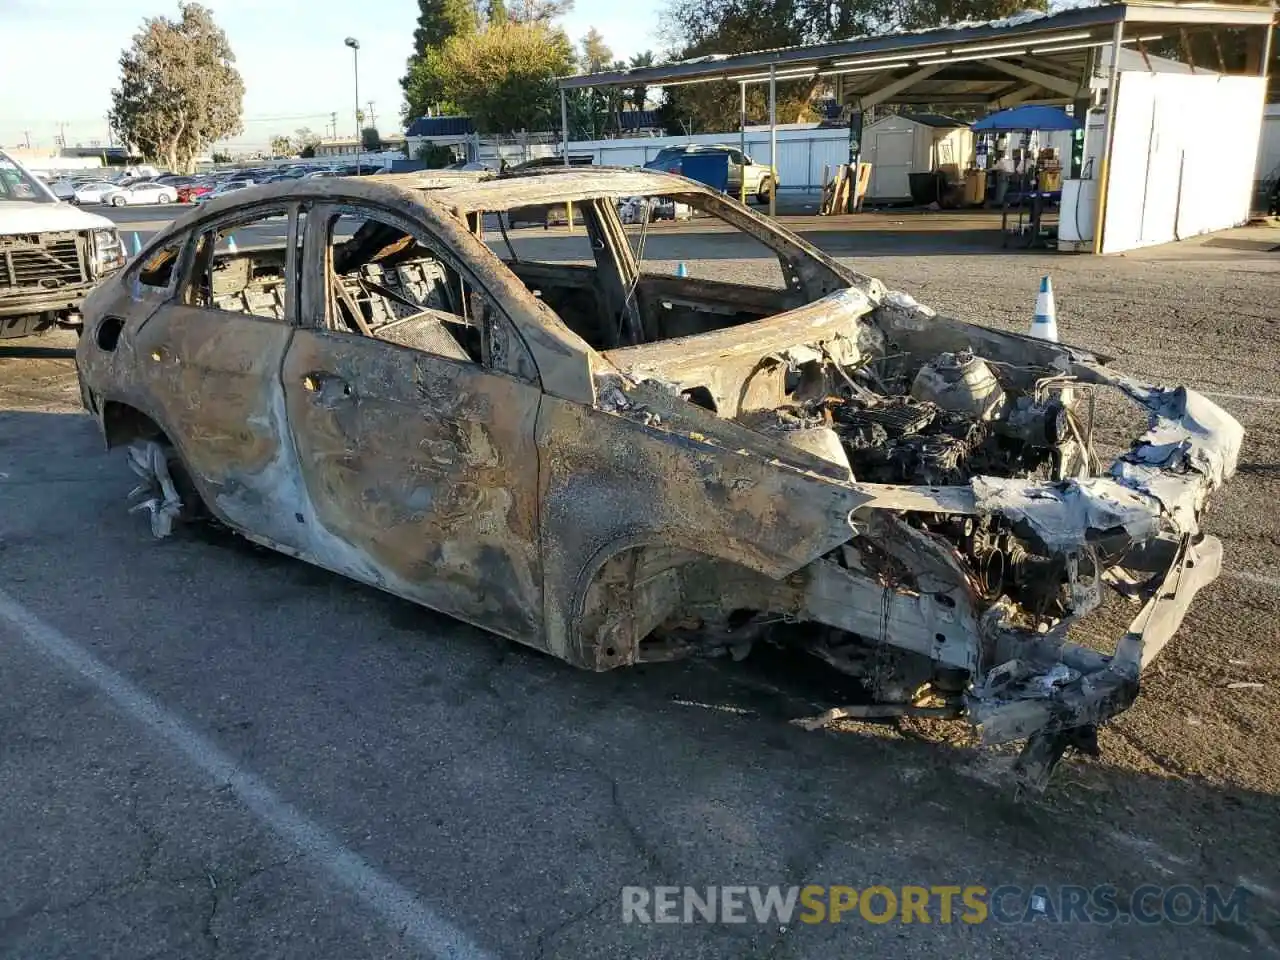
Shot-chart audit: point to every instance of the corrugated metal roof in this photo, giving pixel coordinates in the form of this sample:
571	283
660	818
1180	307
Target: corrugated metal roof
441	127
1069	15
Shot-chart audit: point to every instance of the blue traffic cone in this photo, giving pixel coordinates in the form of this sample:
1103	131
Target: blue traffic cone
137	243
681	269
231	244
1045	322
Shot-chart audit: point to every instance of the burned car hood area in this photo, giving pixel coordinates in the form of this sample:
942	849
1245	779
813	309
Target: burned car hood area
984	525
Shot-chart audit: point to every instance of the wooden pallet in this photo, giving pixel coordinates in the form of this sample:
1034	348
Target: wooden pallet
835	191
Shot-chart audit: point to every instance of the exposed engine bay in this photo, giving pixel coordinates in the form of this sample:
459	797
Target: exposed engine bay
990	526
943	423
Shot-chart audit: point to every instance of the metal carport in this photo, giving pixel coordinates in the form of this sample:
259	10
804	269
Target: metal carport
1030	57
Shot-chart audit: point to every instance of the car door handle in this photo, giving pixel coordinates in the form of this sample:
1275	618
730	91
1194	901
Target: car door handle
327	388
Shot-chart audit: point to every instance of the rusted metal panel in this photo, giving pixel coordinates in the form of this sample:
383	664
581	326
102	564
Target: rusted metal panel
611	483
425	467
214	379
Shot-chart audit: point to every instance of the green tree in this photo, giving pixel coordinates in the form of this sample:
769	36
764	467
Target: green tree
370	139
595	52
435	155
282	146
700	27
438	22
179	89
424	88
639	94
539	11
503	77
305	137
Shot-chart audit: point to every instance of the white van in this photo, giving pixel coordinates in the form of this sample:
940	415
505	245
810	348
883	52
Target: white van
51	253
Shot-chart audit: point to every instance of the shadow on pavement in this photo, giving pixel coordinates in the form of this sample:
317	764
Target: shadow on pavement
25	352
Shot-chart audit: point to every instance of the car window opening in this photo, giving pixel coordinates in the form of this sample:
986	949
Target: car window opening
578	275
386	284
246	281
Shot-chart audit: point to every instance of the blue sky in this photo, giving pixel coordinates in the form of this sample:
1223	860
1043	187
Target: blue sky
58	59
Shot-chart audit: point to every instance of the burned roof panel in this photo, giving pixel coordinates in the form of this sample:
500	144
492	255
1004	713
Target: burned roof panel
560	186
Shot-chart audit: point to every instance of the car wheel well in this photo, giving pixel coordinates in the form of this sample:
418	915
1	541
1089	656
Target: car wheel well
123	424
629	591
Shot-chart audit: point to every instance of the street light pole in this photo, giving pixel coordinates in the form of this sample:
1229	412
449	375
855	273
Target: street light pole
354	44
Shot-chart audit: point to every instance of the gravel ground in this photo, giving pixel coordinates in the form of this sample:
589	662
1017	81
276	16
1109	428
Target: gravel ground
511	797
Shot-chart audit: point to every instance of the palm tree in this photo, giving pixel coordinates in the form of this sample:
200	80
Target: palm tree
640	92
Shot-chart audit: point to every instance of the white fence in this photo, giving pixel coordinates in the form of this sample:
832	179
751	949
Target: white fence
803	149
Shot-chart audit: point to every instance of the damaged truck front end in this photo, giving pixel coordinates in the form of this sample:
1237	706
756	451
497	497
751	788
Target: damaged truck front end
984	525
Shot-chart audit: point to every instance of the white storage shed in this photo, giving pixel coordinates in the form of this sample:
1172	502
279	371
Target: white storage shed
902	144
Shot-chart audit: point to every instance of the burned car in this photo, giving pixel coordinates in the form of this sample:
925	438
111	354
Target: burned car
617	463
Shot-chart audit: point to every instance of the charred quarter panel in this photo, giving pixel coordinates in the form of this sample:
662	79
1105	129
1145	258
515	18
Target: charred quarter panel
610	483
216	379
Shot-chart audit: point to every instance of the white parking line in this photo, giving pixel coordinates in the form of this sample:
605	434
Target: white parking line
1240	396
392	902
1249	577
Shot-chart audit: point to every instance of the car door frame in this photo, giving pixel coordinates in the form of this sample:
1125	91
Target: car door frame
265	468
516	609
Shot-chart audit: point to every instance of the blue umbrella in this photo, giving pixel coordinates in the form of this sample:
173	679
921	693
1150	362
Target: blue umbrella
1028	118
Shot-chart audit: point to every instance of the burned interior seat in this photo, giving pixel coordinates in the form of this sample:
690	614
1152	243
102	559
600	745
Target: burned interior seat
422	281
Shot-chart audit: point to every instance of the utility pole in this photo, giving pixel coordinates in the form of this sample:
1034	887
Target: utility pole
333	122
62	129
27	134
373	120
111	136
354	44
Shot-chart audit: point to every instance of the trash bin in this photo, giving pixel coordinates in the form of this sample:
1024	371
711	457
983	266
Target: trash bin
927	188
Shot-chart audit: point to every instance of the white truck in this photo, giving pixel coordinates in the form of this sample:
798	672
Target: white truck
51	254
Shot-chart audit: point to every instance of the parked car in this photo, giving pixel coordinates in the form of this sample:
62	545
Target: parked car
616	465
761	179
222	189
51	254
189	193
93	191
119	196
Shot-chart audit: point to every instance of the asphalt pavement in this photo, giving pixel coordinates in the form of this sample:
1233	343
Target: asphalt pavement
212	750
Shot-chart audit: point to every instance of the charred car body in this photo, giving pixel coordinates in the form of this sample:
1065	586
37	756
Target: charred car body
618	465
51	253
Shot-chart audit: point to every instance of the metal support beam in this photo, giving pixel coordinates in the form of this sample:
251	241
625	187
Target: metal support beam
1113	87
742	139
891	90
1052	67
1049	82
1266	49
564	125
773	140
1011	99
